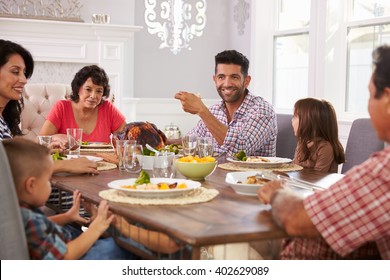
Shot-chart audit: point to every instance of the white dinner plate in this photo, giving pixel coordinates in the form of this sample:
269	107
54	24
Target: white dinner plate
234	179
97	145
93	158
191	185
273	162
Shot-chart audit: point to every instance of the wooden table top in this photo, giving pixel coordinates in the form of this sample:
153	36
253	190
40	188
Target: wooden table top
227	218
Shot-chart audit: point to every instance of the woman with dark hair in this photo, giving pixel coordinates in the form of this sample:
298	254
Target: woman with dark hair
315	125
87	108
16	66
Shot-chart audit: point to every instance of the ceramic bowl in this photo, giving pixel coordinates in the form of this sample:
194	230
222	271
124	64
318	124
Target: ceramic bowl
236	179
195	170
147	162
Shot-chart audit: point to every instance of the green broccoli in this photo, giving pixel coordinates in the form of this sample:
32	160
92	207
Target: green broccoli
58	156
240	156
143	178
147	152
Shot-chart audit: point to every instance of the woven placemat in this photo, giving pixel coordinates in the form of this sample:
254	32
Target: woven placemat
197	196
283	168
102	166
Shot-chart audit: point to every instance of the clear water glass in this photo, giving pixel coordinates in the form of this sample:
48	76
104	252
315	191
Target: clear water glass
132	157
205	146
75	137
189	143
163	165
45	140
120	148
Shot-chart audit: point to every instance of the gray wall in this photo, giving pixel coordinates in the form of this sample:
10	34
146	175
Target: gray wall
158	72
120	11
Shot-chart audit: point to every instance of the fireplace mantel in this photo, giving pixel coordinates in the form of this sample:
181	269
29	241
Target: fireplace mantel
77	44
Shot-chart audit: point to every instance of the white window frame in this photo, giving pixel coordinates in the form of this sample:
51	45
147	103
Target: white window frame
327	51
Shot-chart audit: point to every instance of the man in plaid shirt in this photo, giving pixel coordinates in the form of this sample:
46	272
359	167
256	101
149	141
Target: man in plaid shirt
241	121
351	219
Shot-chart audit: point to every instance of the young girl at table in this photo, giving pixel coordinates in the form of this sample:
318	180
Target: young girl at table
315	125
49	238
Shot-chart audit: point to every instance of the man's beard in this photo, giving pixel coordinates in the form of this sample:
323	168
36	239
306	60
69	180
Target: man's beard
238	93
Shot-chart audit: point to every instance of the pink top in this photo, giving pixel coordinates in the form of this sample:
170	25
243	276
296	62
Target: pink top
108	121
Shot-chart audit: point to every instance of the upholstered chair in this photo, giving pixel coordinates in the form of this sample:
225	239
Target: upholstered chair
38	101
13	243
286	141
362	142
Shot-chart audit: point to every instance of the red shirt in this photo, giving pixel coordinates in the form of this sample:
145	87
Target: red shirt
108	121
352	213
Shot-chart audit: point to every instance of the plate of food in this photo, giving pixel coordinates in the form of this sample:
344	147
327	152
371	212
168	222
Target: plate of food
156	188
245	183
95	145
260	162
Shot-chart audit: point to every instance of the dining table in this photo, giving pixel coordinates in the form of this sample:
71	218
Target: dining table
229	218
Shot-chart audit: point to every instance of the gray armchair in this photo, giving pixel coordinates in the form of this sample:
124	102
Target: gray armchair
13	244
362	142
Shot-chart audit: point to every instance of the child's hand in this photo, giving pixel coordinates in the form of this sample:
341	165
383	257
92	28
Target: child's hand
74	212
91	209
103	218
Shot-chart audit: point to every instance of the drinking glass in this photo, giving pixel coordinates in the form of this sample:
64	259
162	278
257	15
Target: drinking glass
75	136
132	158
163	165
45	140
189	143
205	146
120	148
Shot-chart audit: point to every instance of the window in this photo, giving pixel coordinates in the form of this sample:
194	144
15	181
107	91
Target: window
319	48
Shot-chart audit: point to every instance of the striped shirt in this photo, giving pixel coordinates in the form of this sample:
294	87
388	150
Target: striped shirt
253	128
5	132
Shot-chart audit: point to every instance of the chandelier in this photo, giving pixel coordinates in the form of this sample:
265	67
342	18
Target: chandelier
175	22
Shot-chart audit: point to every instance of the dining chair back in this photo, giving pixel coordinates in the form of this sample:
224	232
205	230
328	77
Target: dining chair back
38	101
13	244
362	142
286	141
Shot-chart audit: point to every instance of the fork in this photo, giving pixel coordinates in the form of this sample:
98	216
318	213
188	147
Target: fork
286	175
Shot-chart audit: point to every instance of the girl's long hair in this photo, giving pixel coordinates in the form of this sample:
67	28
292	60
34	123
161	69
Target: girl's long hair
317	122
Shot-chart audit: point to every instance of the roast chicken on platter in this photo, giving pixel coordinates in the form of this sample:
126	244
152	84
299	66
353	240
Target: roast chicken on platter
144	133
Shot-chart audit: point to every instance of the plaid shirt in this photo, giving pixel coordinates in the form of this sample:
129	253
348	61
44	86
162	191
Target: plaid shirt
46	240
253	128
353	215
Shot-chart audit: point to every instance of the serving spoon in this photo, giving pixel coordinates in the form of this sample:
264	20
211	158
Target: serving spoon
152	149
